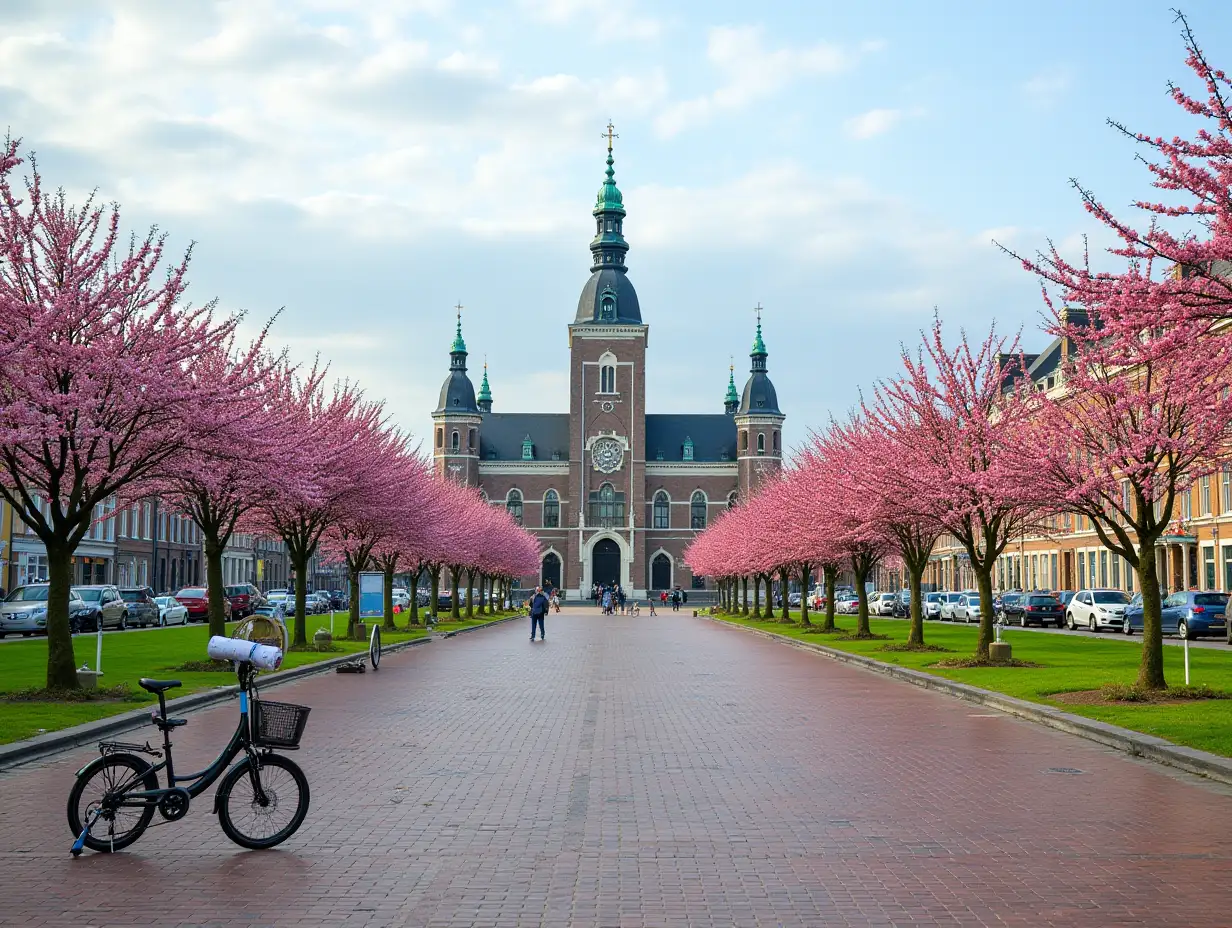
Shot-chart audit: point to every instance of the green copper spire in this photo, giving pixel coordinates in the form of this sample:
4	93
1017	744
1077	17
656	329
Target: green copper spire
732	399
608	248
485	392
759	347
458	344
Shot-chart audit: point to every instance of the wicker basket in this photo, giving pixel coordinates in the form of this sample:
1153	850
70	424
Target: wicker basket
278	724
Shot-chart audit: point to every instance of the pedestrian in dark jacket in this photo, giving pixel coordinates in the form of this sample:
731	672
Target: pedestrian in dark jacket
538	609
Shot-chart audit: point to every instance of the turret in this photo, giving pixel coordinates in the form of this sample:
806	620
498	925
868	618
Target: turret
485	392
759	422
731	402
455	448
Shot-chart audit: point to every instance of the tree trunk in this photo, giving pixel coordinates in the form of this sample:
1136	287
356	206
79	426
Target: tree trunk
434	573
213	583
830	573
915	576
415	575
744	595
983	582
805	574
61	662
1151	665
862	569
470	593
353	613
757	596
482	608
389	598
784	580
455	604
300	563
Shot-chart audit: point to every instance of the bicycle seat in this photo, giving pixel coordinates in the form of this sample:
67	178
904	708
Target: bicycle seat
157	686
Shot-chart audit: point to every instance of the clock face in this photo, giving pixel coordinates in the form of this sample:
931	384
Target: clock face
607	454
607	405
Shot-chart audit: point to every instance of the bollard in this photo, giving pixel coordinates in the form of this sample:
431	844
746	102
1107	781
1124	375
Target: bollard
999	651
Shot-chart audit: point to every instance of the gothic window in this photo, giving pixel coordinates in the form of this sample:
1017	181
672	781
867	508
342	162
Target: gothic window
454	441
688	449
697	510
513	505
662	510
551	509
607	379
607	507
761	442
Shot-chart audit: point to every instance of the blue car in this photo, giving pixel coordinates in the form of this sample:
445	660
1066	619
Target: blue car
1186	614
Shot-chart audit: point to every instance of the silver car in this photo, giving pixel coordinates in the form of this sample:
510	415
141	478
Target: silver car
24	612
108	604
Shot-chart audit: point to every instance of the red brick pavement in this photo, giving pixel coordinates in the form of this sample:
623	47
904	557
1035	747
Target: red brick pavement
649	772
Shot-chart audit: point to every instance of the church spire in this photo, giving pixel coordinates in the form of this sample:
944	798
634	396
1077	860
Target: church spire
758	354
608	248
485	392
457	351
731	402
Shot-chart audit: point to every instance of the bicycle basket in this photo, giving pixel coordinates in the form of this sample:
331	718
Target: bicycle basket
278	724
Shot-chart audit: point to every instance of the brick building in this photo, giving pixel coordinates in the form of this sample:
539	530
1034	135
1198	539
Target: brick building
614	493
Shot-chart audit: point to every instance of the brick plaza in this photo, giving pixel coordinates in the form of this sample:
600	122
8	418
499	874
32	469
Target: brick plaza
648	772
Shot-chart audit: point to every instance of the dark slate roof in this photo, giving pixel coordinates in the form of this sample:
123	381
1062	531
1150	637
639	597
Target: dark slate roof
627	309
457	394
713	436
503	432
1046	363
759	396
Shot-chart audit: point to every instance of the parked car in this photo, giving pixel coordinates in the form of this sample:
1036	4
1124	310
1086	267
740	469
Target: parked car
324	601
339	600
999	604
1064	597
848	604
882	603
1035	608
105	605
1096	609
424	596
24	612
196	601
244	598
142	610
932	605
444	600
948	602
967	608
171	611
793	599
272	609
283	599
402	599
1186	613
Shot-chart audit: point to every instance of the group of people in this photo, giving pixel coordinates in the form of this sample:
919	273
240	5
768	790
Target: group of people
609	597
677	596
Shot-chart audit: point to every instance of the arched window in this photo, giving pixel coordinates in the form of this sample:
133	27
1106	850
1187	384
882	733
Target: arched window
697	510
607	507
607	379
761	442
455	441
744	441
732	498
662	510
471	439
776	443
440	438
513	505
551	509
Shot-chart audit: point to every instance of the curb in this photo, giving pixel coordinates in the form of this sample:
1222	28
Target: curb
1134	743
65	739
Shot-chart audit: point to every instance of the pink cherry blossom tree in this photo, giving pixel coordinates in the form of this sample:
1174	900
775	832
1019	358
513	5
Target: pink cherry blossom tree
100	363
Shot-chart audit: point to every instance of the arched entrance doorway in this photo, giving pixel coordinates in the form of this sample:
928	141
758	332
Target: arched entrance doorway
605	562
661	572
551	570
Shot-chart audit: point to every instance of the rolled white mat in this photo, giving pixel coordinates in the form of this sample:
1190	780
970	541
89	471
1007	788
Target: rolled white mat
261	656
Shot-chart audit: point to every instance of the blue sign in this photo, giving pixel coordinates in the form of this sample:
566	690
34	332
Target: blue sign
371	594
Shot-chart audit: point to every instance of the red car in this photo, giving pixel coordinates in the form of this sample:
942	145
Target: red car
197	602
244	598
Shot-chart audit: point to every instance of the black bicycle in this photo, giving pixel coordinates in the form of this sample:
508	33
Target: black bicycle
261	801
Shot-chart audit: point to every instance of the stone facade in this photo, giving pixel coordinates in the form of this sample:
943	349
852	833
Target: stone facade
613	492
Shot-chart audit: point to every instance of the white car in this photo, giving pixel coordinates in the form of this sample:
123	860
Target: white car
283	599
932	605
848	605
1096	609
171	611
967	608
402	598
948	602
882	603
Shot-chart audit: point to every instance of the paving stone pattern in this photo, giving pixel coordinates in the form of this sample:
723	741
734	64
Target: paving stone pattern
648	772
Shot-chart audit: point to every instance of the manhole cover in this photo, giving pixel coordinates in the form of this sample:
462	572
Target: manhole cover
1067	770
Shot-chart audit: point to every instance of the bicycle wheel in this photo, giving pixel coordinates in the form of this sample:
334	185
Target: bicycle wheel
242	816
120	827
374	648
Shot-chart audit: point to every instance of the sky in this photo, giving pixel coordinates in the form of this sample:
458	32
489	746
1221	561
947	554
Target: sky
365	165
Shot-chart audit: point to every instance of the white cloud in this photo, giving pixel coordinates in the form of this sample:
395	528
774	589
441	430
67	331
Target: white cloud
872	123
606	21
1048	86
748	72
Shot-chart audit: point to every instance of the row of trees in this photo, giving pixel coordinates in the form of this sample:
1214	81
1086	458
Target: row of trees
113	386
963	443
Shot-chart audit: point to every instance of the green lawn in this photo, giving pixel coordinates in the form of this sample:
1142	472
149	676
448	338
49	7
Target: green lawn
1070	663
150	653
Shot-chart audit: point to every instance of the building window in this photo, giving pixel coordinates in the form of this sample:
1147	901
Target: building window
551	509
440	438
1186	504
455	442
1208	568
607	379
687	450
607	507
1226	508
1204	494
776	443
662	510
697	510
471	440
513	505
761	442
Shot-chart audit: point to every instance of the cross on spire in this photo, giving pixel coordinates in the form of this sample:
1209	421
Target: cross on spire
609	135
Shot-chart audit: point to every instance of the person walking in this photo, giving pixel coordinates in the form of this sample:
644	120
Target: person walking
650	602
676	600
620	598
663	599
607	602
538	609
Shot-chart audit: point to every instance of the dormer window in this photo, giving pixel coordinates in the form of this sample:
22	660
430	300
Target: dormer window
658	455
528	449
687	449
607	302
